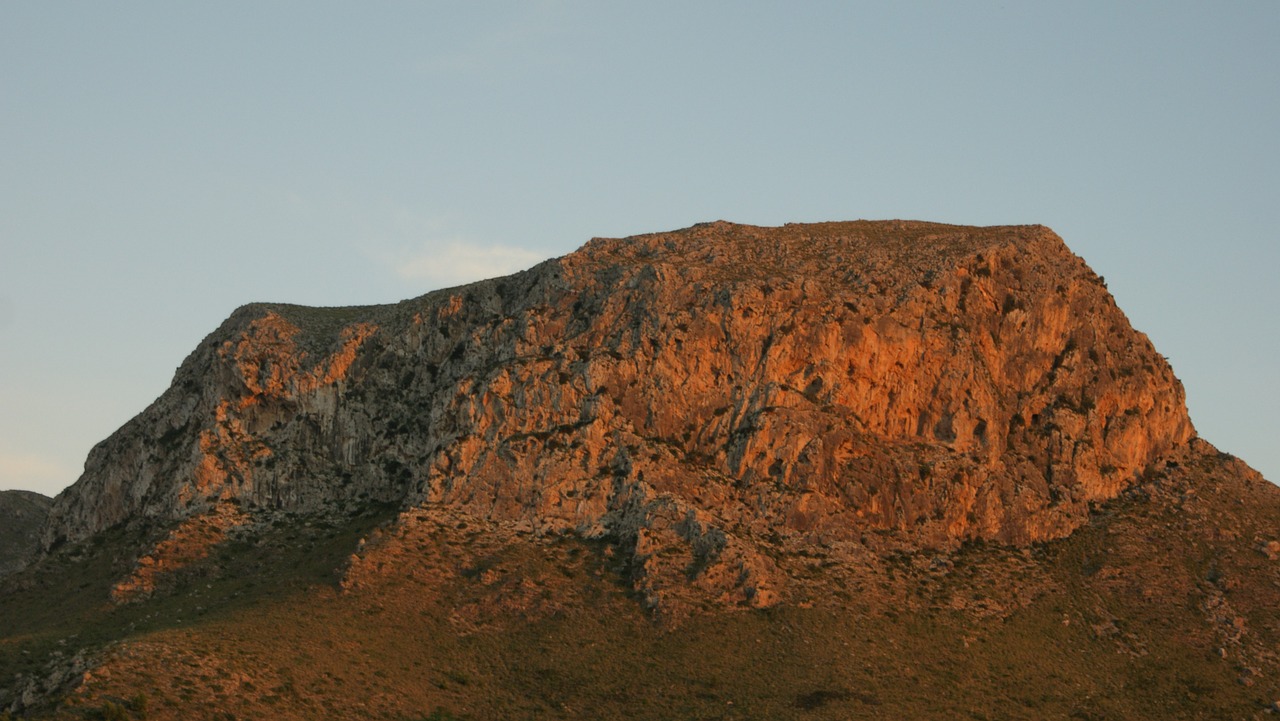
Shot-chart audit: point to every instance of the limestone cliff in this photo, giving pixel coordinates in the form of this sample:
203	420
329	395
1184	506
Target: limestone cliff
705	392
22	513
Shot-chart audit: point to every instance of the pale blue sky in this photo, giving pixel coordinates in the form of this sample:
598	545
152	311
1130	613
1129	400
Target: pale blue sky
162	163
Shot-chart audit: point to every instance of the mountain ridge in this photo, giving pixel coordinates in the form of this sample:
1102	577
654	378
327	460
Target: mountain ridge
22	516
938	382
279	328
813	419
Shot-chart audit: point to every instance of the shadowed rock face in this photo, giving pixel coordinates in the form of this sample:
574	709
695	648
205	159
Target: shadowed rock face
22	513
709	392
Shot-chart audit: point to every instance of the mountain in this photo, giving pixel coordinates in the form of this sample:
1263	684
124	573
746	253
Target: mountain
722	472
22	515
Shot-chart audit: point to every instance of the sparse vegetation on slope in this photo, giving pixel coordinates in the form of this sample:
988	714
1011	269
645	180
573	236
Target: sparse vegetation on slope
1124	619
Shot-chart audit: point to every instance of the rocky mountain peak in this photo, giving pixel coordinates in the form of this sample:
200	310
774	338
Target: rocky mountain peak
694	398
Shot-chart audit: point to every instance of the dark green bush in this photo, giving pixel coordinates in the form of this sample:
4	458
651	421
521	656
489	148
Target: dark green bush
114	712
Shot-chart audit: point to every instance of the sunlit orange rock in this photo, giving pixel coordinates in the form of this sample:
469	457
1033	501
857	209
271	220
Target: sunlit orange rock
693	398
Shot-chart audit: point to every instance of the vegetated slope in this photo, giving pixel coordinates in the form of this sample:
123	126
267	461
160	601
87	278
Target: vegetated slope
1162	605
22	515
891	440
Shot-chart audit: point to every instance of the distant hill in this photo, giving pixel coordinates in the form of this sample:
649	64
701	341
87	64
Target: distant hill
840	470
22	515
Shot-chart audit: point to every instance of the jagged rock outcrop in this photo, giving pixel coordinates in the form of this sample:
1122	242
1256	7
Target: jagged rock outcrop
22	515
687	396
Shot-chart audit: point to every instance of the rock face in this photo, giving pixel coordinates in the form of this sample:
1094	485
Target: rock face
690	397
22	514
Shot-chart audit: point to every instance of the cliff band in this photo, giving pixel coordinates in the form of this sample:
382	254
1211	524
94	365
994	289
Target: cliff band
718	390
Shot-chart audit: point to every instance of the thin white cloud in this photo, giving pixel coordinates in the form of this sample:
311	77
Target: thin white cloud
423	249
453	262
32	472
